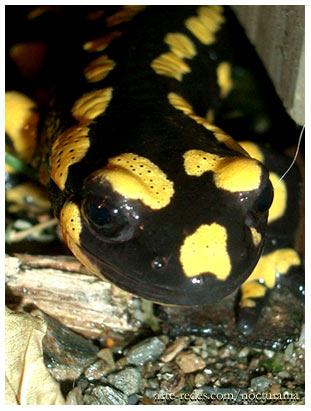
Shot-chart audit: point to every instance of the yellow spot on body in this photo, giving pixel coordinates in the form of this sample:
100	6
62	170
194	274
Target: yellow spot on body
180	45
123	15
210	116
69	148
205	24
136	177
229	173
205	251
21	121
224	78
251	290
102	42
98	69
92	104
278	206
200	30
70	221
253	150
181	104
277	262
212	15
29	57
40	10
95	15
170	65
265	272
256	236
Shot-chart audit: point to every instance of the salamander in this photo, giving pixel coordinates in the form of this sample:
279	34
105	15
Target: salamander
150	193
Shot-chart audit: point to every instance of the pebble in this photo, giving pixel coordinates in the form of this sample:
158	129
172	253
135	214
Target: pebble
109	396
189	362
129	380
149	393
244	352
175	348
74	397
199	380
96	370
106	355
90	400
275	389
153	383
261	383
269	353
148	350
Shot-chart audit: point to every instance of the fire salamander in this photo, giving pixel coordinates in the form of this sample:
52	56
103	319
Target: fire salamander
150	193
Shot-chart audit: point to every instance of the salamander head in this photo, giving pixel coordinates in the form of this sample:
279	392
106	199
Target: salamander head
187	233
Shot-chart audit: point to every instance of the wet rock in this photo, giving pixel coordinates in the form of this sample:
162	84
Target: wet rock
178	345
189	362
74	397
200	380
66	353
261	383
129	380
148	350
109	396
106	355
96	370
90	400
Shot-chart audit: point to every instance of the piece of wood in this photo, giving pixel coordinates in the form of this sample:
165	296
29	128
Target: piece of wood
278	33
80	301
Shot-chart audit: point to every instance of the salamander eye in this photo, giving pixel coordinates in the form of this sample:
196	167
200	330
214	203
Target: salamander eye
109	220
265	198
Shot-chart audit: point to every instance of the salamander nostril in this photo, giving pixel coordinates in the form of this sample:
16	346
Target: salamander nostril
158	263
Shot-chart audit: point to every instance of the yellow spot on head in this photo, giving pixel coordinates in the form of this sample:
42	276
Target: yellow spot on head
170	65
180	45
137	178
21	121
125	14
70	221
101	43
69	148
98	69
229	173
92	104
278	206
205	251
224	79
